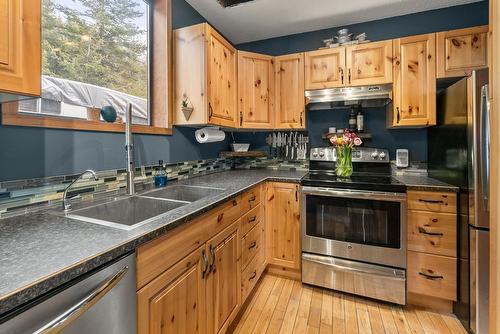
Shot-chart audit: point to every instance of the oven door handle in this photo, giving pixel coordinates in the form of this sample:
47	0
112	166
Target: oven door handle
349	193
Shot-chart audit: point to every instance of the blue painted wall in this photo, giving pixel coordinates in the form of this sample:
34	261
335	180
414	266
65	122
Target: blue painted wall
36	152
375	119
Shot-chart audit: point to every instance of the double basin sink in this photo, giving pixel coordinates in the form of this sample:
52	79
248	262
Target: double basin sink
130	212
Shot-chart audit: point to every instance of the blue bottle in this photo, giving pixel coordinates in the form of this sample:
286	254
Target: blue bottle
160	175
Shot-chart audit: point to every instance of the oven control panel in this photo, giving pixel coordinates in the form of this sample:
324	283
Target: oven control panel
360	154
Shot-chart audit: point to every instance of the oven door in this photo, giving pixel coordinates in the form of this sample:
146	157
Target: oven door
358	225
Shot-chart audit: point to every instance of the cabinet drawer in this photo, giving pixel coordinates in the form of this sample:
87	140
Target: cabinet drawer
250	219
432	275
251	274
431	232
250	199
251	244
160	254
432	201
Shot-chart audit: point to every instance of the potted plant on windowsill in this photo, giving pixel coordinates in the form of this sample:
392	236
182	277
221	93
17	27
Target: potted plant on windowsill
343	147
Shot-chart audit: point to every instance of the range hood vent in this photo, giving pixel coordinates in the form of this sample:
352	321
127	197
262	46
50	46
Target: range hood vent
335	98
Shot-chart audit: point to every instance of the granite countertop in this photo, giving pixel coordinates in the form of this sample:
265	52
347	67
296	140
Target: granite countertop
423	182
42	251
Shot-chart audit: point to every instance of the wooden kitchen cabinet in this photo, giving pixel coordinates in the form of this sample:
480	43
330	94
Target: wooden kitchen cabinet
325	68
461	51
223	279
255	90
290	101
205	77
282	209
20	55
369	63
414	89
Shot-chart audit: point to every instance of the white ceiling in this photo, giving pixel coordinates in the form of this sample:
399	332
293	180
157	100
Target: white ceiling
261	19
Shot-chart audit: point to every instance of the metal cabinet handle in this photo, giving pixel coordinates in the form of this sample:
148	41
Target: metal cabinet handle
77	310
301	119
211	268
254	274
431	277
252	219
349	75
424	231
241	118
205	263
251	199
398	115
341	70
220	217
252	245
430	201
210	111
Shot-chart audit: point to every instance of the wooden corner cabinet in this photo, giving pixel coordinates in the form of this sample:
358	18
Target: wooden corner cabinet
290	100
205	77
461	51
20	51
414	89
255	90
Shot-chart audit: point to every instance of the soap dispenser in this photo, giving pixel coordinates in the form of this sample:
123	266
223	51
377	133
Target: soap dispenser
160	175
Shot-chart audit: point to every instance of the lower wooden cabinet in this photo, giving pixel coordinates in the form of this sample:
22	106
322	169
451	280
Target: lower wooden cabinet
283	224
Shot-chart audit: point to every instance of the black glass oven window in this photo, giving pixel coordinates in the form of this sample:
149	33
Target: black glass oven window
360	221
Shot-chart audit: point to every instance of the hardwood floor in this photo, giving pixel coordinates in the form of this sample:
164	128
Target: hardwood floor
281	305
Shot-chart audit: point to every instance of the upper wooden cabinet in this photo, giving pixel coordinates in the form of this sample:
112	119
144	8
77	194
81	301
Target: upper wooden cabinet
369	64
255	90
20	55
205	77
324	68
414	89
461	51
290	100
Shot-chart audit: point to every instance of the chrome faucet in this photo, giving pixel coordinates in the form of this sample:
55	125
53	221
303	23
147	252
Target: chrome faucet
129	147
66	200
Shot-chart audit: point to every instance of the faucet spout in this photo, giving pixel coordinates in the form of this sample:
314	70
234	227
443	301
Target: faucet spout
129	147
66	200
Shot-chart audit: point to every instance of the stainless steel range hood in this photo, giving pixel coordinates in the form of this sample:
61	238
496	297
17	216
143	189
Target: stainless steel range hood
335	98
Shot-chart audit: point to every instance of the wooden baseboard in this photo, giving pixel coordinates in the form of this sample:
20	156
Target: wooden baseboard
437	304
294	274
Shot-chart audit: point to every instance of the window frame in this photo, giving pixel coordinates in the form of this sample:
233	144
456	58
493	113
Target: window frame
160	87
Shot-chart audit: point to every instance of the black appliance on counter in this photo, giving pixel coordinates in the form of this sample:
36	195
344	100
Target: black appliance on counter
458	150
354	229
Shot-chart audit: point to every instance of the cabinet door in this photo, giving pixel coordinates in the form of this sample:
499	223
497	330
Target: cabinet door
174	302
325	68
414	99
290	101
283	224
221	80
223	280
461	51
369	64
255	90
20	58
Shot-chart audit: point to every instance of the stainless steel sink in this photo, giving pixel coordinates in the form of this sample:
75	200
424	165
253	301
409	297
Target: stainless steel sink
126	213
183	193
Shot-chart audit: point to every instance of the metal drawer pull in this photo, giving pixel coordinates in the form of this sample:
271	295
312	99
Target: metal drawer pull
254	274
77	310
430	201
205	263
219	217
251	220
424	231
431	277
251	199
252	245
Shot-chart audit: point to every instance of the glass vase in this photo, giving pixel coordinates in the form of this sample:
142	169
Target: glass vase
344	161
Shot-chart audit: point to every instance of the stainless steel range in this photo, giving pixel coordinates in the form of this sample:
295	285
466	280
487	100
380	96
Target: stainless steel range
354	230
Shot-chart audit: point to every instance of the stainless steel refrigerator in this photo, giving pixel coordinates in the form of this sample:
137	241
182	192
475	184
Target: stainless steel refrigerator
458	153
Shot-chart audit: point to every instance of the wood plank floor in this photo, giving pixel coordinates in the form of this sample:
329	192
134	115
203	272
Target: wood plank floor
281	305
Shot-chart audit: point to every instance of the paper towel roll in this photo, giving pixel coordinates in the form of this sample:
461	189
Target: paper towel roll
209	135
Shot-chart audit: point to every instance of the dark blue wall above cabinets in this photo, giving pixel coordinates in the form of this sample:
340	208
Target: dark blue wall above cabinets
456	17
36	152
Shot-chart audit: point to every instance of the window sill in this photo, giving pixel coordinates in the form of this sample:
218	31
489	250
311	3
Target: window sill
10	116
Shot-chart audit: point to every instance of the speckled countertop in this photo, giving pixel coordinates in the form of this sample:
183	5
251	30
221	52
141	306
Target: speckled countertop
423	182
41	251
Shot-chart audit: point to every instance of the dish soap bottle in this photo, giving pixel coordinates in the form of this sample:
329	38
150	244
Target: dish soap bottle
160	175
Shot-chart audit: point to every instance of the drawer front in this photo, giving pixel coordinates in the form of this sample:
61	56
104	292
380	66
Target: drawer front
250	199
431	232
251	274
432	275
160	254
250	219
432	201
251	244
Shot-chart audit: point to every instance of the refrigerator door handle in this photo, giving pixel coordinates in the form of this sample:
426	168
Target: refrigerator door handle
485	145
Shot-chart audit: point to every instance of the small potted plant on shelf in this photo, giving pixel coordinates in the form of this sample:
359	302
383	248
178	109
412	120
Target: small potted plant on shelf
343	147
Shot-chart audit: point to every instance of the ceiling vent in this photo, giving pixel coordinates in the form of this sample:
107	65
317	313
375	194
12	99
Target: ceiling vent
231	3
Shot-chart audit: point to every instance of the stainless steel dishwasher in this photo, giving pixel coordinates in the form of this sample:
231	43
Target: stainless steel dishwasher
103	302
